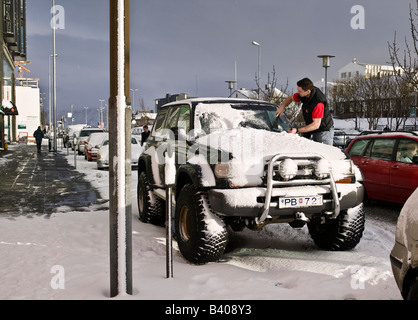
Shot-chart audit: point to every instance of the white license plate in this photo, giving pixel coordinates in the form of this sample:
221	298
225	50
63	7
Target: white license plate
300	202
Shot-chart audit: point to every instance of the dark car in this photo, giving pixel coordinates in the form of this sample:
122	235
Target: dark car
236	166
389	163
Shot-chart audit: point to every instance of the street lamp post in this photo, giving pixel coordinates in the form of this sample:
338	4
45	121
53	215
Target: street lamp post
133	99
54	82
102	108
86	108
326	63
258	69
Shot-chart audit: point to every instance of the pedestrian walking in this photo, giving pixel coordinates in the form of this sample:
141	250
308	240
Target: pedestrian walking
144	135
39	135
319	123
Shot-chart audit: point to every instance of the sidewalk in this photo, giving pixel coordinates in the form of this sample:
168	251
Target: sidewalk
38	183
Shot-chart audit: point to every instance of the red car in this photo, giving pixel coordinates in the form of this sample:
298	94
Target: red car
389	163
94	141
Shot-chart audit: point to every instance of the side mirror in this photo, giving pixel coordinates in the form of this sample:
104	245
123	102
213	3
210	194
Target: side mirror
415	159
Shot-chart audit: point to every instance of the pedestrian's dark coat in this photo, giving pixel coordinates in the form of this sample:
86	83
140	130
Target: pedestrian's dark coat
38	134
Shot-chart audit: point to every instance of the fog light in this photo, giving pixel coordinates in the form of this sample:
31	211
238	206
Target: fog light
288	169
222	170
322	169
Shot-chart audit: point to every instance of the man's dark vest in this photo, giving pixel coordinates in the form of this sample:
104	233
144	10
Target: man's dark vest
309	105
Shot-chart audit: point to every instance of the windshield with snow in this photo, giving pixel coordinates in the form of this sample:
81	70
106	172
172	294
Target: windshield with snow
212	118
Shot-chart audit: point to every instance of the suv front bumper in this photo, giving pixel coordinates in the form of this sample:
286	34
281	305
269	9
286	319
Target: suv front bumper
249	202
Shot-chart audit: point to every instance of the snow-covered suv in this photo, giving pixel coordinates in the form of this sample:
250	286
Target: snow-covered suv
237	166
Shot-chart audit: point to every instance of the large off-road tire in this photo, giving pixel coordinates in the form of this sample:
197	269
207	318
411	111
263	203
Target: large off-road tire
201	235
340	234
413	289
151	208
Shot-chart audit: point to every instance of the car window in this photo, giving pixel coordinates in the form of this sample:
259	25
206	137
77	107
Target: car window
159	121
172	119
407	149
87	133
134	141
383	149
358	147
184	119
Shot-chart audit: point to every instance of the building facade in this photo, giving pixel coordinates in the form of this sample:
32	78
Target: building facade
13	50
367	70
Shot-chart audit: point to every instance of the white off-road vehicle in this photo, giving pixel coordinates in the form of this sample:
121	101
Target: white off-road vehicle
237	166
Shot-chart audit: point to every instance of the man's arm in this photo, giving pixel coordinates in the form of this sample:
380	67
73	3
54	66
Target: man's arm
317	116
283	105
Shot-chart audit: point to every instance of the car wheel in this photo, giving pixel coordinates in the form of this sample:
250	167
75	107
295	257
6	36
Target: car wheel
151	208
201	235
339	234
413	290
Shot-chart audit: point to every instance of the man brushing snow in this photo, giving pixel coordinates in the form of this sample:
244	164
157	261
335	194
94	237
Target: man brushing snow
319	124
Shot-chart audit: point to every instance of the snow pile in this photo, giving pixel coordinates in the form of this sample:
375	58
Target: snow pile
66	256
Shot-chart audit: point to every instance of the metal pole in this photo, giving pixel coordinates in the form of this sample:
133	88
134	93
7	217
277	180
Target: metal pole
258	71
75	152
169	233
54	80
326	82
86	108
49	92
120	213
72	114
170	180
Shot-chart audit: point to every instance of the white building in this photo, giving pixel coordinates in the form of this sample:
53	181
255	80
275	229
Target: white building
367	70
28	103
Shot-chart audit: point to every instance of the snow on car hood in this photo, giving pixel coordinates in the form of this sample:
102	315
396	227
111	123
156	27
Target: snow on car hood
249	145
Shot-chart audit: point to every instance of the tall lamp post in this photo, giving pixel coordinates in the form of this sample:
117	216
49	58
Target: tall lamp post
102	108
54	81
258	70
326	63
86	108
133	99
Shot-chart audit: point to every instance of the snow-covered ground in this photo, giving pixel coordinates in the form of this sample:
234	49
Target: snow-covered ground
66	256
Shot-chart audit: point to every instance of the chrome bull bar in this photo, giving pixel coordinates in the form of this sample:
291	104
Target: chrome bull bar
275	160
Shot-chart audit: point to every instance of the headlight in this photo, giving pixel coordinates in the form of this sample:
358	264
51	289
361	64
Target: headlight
288	169
322	169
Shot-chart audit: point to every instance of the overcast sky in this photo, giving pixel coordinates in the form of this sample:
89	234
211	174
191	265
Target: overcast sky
191	46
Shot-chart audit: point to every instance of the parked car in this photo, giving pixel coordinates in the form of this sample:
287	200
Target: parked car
389	163
82	139
68	135
137	131
404	255
236	165
103	153
94	141
341	139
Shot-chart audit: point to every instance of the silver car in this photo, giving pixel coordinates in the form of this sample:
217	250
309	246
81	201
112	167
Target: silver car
341	139
83	136
404	255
